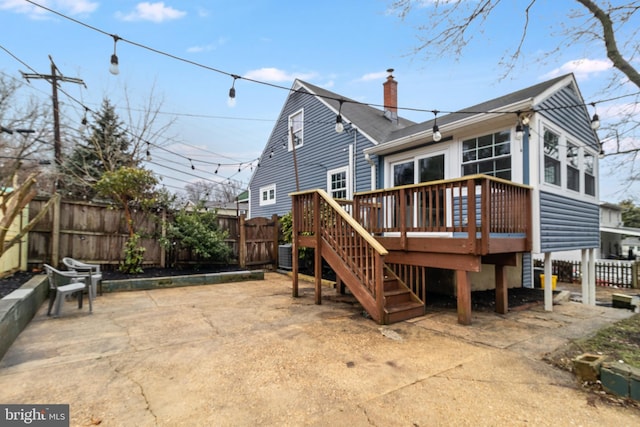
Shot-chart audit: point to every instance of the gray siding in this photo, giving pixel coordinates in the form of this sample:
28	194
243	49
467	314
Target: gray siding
574	120
323	149
568	224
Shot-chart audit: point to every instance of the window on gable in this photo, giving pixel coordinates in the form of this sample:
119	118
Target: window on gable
551	158
268	195
573	168
589	175
296	134
488	154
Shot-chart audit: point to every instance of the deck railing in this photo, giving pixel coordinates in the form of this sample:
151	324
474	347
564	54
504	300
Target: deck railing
477	206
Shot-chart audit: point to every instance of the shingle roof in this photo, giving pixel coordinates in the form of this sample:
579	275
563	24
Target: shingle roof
493	104
373	122
368	119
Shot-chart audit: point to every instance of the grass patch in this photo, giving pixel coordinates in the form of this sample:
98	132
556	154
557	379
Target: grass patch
620	341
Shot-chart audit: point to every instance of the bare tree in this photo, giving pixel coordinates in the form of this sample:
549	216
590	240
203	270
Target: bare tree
598	26
22	144
209	191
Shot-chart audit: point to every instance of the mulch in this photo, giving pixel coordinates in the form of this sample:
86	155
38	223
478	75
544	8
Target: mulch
13	282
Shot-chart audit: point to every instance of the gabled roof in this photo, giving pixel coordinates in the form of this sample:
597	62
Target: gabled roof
369	121
520	96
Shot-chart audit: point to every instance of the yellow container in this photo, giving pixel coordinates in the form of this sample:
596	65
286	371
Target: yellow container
554	281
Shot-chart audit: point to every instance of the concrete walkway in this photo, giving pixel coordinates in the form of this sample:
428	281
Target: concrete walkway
249	354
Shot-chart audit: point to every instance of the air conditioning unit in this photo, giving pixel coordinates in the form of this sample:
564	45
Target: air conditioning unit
284	257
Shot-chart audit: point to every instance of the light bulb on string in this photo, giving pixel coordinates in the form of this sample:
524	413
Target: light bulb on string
232	92
216	172
595	120
114	68
437	136
519	129
339	124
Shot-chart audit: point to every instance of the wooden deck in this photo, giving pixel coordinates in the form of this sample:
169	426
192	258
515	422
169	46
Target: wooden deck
452	224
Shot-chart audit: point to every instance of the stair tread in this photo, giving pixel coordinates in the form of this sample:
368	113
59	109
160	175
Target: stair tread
408	305
397	291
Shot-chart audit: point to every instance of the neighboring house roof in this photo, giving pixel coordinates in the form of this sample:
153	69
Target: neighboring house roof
369	121
624	231
610	206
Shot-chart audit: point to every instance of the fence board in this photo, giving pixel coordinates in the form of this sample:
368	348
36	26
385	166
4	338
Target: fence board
97	233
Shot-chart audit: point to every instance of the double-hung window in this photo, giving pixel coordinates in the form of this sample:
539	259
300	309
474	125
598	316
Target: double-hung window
338	183
589	175
573	167
551	158
296	125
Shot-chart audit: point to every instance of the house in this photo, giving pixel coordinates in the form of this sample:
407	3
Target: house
519	172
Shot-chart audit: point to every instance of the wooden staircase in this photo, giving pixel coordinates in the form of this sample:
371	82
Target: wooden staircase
355	256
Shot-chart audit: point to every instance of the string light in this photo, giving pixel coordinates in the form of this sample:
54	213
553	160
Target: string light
595	120
339	124
232	92
437	136
216	172
519	129
148	152
113	68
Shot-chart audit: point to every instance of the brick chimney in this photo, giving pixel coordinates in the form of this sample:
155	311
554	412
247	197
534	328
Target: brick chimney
390	97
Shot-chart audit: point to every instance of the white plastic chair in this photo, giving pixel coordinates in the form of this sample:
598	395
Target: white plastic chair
63	283
84	269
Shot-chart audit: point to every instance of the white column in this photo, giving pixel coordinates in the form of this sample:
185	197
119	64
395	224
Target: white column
585	272
592	276
548	290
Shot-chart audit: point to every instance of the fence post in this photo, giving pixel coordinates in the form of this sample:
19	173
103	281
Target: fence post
634	274
242	245
55	234
276	241
163	232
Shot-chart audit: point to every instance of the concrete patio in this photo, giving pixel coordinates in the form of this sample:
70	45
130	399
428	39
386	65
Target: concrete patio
247	353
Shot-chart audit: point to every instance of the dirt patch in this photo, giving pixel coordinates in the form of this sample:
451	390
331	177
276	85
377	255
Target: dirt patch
519	298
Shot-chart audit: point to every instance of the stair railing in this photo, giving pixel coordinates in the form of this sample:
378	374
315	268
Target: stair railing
316	215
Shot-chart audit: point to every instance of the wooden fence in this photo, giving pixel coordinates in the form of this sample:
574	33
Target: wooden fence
624	274
97	233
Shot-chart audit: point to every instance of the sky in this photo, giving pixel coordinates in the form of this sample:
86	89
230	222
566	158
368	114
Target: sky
183	53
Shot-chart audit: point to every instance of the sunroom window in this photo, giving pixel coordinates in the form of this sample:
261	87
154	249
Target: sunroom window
573	168
488	154
551	158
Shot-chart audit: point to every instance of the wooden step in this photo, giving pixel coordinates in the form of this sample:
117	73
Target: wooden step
397	296
404	311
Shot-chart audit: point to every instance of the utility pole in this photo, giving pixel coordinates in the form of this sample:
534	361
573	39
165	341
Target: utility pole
53	78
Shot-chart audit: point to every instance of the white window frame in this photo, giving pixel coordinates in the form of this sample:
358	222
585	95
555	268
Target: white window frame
269	190
345	170
493	156
293	128
564	140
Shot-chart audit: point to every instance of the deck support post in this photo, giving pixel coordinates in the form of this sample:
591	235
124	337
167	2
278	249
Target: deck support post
294	247
463	287
502	297
317	255
548	289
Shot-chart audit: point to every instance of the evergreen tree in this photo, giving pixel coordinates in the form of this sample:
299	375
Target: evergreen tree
630	214
106	149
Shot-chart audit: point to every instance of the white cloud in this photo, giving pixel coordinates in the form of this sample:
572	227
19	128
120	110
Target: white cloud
154	12
373	76
208	47
582	68
71	7
270	74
